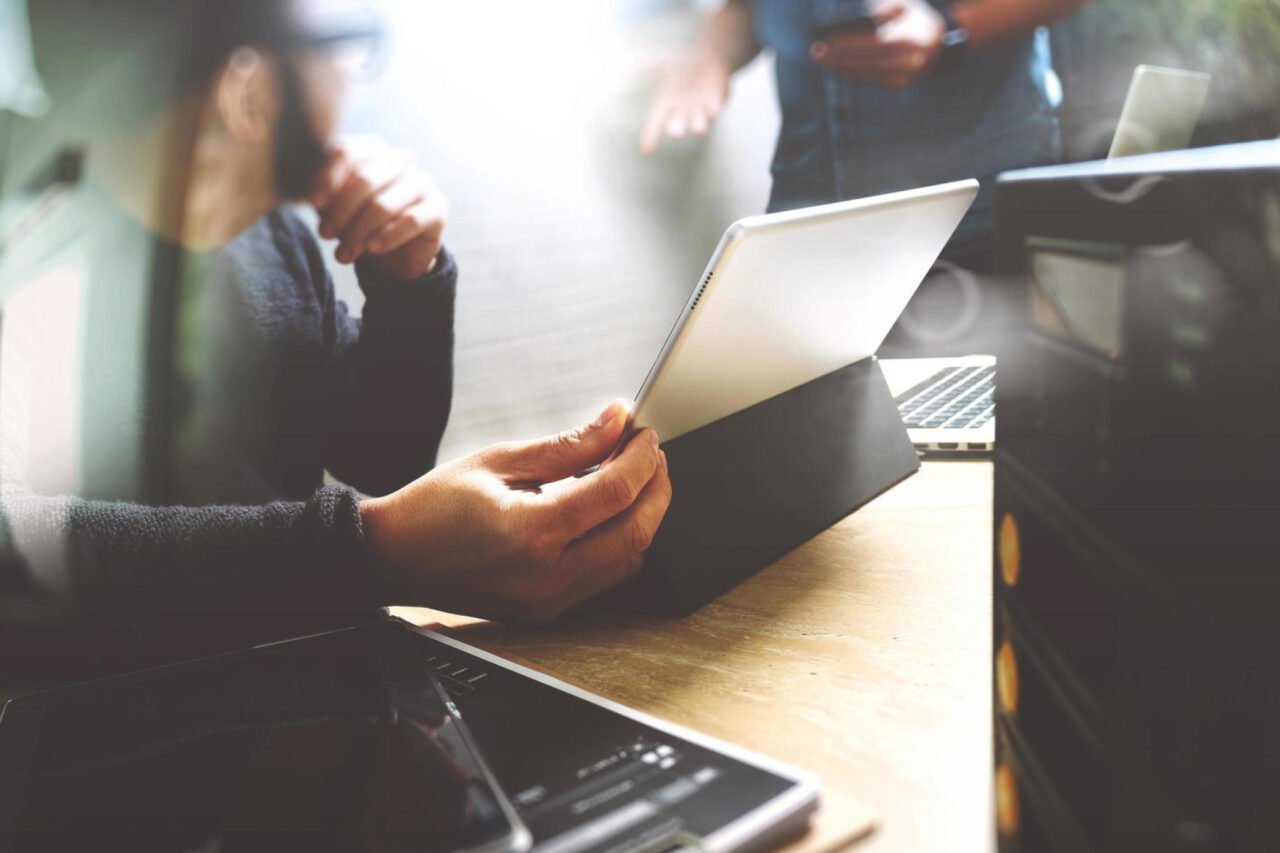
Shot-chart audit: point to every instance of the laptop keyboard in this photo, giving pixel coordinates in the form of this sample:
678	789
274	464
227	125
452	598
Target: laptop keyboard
953	398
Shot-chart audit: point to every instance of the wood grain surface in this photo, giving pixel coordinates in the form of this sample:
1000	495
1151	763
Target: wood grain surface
863	655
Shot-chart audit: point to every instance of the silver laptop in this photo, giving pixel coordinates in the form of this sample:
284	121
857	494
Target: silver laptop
947	404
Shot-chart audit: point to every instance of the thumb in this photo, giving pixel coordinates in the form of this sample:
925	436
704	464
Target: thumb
546	460
889	11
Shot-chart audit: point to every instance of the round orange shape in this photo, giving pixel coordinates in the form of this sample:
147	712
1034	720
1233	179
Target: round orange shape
1010	550
1008	809
1007	677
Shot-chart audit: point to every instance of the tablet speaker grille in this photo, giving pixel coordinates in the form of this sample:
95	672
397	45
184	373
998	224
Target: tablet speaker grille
697	297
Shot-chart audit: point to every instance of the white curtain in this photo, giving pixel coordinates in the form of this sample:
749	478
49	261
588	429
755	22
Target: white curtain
20	88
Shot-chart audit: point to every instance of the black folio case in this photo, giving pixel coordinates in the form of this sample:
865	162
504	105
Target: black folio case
750	487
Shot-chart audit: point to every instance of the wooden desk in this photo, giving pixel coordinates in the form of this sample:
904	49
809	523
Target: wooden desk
864	655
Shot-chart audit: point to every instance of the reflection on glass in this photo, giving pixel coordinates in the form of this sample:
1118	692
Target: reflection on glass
341	742
1078	294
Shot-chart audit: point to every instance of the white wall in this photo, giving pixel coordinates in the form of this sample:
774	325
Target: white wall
576	251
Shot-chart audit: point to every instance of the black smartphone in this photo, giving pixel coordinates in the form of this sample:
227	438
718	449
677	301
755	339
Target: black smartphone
343	741
856	19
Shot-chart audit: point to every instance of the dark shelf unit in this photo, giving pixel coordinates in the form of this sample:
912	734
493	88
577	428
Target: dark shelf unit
1136	657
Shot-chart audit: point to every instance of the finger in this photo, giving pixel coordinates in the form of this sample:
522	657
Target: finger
424	250
862	66
860	48
418	256
608	492
841	46
676	125
556	457
882	41
342	159
334	173
426	217
367	179
890	67
901	69
378	212
698	123
614	551
358	189
888	10
653	123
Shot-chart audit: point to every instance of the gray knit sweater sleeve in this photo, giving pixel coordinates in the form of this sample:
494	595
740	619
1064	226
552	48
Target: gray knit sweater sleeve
112	556
92	587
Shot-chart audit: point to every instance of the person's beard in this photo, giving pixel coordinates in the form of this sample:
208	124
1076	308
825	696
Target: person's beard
299	151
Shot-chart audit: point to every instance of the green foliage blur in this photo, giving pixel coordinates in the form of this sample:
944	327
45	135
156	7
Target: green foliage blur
1237	41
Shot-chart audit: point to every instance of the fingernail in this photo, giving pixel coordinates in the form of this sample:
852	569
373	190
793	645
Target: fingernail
652	438
375	246
818	50
608	416
662	460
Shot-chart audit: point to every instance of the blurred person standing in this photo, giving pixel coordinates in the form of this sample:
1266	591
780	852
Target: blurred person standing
882	95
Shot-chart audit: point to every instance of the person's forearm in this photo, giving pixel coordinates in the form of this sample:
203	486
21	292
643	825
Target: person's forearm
728	37
392	387
279	557
991	21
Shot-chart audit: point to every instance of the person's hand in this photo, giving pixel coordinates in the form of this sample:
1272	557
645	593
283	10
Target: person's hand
509	533
690	96
905	47
377	201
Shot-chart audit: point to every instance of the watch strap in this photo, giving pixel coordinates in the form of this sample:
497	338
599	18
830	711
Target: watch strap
955	39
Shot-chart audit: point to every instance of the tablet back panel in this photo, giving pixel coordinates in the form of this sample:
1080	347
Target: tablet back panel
792	296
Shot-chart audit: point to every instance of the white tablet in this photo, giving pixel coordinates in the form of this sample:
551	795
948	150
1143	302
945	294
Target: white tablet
792	296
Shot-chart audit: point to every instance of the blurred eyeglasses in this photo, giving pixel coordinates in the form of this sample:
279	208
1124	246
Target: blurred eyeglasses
356	40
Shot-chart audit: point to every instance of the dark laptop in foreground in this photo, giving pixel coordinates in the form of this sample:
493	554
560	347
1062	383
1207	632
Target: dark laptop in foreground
376	737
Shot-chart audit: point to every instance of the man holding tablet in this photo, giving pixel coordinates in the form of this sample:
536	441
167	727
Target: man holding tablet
271	383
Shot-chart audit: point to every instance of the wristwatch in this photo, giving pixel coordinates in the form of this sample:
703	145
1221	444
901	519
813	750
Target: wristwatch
955	40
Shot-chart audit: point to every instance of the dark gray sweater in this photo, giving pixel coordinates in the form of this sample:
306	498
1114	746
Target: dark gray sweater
274	383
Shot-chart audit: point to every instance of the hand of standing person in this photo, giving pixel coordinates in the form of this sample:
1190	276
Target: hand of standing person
694	88
905	45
